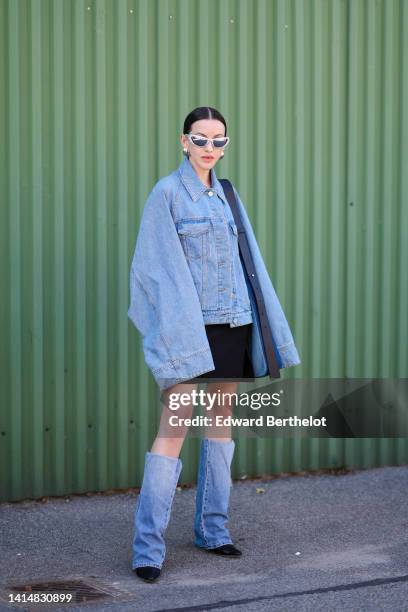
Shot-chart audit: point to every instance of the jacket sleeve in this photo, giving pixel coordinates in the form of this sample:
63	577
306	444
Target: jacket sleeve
164	304
281	331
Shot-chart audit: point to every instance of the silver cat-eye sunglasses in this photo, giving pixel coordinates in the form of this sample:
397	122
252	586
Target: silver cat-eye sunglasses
202	141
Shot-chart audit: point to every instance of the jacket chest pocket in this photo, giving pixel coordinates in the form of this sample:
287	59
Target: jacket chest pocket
195	238
198	243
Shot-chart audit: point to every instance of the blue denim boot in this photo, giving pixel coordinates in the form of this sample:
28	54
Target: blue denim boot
213	492
152	514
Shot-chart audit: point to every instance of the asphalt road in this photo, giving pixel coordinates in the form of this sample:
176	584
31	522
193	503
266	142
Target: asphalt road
327	542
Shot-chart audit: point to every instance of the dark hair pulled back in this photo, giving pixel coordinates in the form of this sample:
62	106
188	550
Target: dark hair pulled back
202	112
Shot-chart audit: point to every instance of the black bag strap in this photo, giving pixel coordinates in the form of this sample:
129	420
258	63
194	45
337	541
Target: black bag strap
253	279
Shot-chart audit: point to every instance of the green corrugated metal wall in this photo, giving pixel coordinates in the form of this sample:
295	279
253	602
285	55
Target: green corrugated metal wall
93	95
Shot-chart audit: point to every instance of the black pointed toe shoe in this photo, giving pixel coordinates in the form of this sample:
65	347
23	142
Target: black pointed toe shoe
147	573
226	549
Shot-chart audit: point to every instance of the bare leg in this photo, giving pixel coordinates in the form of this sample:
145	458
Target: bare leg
169	439
223	408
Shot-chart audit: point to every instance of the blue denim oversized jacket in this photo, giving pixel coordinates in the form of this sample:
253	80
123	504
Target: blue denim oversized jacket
186	273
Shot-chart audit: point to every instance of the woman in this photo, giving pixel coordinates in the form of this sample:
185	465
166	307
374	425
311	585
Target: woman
192	303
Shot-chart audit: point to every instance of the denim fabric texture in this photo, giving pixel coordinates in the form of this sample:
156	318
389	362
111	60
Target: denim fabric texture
186	272
153	509
213	493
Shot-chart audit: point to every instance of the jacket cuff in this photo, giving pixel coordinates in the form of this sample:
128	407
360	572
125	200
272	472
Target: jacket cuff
193	365
289	355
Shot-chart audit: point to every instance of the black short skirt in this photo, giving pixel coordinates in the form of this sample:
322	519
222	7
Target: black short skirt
230	352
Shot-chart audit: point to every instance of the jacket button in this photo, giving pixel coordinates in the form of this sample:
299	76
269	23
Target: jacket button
252	274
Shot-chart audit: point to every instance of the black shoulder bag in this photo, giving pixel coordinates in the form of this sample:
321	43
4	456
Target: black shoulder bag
253	279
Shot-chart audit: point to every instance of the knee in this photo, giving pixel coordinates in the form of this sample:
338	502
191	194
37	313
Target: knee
226	396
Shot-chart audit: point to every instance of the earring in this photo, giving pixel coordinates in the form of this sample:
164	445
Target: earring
184	151
222	154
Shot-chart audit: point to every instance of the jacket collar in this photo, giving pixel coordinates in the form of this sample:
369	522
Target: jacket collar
193	183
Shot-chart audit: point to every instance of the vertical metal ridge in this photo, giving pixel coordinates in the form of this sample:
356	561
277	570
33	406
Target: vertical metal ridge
100	306
35	172
297	284
402	295
388	259
81	416
124	21
59	367
14	329
353	194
